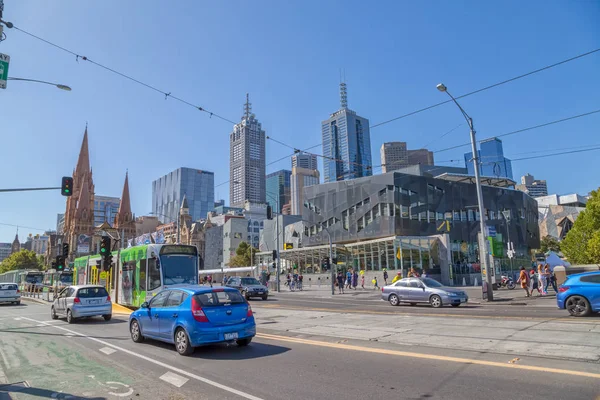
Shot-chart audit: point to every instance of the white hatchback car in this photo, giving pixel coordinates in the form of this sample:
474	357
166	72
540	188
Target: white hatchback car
10	293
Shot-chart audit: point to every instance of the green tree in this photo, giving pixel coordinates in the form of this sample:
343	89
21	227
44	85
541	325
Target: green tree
549	243
24	259
582	243
243	256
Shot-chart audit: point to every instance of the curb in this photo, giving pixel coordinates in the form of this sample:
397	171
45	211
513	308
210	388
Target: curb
39	301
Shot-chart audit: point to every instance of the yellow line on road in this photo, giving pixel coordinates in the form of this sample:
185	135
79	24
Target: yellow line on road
356	311
426	356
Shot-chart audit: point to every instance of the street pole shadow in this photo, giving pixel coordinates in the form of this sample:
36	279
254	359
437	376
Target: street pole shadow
24	388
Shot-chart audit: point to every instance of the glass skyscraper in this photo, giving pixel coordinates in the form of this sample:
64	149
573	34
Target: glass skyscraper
198	187
279	187
105	209
492	160
346	144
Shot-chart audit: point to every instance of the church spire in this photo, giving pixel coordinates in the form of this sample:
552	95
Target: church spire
124	214
83	162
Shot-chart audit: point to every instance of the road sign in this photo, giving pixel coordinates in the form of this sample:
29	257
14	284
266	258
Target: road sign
491	231
4	61
510	252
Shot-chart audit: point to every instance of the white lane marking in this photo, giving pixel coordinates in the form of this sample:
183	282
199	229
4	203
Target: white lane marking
4	359
41	325
107	350
159	363
174	379
52	321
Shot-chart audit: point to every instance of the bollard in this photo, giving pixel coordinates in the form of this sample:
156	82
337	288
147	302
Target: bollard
464	281
319	279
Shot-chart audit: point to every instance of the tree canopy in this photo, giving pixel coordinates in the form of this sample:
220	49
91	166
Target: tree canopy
243	256
549	243
582	243
24	259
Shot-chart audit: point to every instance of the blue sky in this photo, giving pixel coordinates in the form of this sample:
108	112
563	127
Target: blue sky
287	55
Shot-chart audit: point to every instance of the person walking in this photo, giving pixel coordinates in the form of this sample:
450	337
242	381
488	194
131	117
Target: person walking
524	281
397	277
348	279
362	281
300	279
551	279
354	279
374	281
542	279
533	282
340	282
424	274
385	276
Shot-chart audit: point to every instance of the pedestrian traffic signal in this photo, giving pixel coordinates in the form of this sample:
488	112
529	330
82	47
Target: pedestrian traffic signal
326	262
105	246
269	212
274	254
66	187
65	250
53	265
60	263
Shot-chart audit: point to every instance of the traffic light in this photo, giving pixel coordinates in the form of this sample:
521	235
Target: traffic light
53	265
269	212
108	260
334	261
274	254
66	187
326	262
274	266
60	263
65	250
105	246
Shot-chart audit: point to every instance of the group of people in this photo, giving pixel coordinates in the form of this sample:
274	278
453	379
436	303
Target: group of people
294	281
538	280
349	281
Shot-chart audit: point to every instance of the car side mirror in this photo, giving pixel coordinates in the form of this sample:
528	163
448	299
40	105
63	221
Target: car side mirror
145	305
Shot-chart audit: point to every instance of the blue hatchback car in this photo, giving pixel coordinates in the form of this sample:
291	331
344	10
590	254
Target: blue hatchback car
580	294
193	316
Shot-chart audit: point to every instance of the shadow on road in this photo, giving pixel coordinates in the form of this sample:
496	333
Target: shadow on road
24	388
226	352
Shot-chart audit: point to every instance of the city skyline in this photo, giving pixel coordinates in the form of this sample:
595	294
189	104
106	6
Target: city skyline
153	135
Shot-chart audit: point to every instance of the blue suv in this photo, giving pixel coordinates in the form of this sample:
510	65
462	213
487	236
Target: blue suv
193	316
580	294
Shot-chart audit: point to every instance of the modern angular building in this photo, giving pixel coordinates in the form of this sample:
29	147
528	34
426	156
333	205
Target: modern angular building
533	187
196	185
278	189
493	162
301	178
346	144
247	160
105	209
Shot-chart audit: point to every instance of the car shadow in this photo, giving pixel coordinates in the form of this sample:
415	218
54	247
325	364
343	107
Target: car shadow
227	352
24	388
98	321
31	332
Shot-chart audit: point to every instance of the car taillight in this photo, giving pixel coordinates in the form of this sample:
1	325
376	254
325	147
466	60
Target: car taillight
197	311
563	289
18	291
108	299
249	313
76	300
382	290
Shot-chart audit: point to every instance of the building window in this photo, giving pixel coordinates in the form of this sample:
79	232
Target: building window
376	212
470	215
382	192
463	215
439	216
359	225
405	212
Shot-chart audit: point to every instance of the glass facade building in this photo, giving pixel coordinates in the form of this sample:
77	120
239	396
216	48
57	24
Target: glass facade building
278	188
198	186
346	144
105	209
492	160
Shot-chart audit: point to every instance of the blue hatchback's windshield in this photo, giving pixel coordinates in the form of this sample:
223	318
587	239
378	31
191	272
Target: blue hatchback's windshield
179	269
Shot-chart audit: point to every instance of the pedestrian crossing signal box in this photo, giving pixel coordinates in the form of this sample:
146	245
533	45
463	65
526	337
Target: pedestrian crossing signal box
288	246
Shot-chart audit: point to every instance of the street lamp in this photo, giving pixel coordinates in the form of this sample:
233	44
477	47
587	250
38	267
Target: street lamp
485	268
58	85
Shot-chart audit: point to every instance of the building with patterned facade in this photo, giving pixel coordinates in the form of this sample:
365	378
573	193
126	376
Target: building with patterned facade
79	213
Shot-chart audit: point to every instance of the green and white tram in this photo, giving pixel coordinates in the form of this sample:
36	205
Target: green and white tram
141	271
25	278
59	279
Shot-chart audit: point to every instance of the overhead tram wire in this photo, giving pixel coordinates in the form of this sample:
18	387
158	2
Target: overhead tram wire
166	94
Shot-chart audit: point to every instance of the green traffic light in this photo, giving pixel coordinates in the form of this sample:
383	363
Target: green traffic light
67	190
103	250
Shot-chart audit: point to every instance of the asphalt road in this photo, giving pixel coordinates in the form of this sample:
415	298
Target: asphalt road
94	359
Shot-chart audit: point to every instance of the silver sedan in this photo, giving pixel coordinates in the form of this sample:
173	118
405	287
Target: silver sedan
82	301
422	290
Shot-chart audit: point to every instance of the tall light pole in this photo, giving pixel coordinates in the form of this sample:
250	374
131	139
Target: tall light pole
58	85
486	281
278	270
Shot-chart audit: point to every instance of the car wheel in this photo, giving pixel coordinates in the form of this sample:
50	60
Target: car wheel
435	301
455	305
182	343
53	313
107	317
136	332
18	303
578	306
243	342
394	300
265	297
70	318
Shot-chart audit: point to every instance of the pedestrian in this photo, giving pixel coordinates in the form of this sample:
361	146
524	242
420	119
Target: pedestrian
551	279
348	279
524	280
542	279
354	279
300	279
534	282
209	280
224	280
288	281
424	274
397	277
385	276
362	281
374	282
340	282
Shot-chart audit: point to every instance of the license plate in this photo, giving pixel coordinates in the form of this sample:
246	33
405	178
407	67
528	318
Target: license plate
231	336
94	301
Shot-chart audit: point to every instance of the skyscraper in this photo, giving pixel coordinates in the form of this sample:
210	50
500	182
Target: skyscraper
301	178
491	157
393	156
105	209
168	192
247	160
533	187
305	160
346	143
420	157
278	188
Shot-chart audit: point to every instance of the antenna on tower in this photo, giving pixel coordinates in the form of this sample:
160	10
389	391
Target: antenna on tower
343	92
247	107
